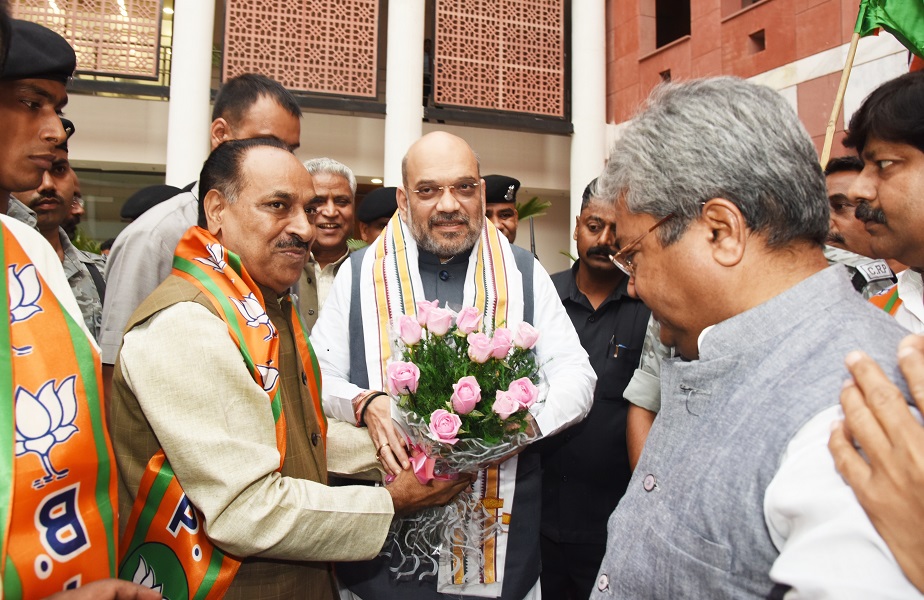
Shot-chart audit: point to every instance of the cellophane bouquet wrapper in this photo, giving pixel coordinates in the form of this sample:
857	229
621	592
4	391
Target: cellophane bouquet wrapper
463	399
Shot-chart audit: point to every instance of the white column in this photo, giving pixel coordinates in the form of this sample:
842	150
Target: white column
588	98
403	83
189	113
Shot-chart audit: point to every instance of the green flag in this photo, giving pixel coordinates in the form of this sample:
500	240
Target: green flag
902	18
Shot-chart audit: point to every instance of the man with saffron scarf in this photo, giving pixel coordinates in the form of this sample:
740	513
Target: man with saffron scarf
217	414
439	246
57	473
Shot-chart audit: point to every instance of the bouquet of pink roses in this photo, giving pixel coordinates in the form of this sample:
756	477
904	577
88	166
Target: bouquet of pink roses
465	395
465	398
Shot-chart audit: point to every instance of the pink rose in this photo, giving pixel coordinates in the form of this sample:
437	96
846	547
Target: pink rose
503	339
402	378
469	320
526	336
479	347
524	392
466	393
445	425
409	330
439	321
505	405
423	311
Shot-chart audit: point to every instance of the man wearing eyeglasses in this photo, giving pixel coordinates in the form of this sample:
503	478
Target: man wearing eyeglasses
721	230
440	248
78	210
848	243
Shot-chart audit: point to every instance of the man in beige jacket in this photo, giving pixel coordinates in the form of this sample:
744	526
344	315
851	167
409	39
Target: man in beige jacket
195	387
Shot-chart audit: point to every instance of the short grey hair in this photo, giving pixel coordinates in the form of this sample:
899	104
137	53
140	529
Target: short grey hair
317	166
720	138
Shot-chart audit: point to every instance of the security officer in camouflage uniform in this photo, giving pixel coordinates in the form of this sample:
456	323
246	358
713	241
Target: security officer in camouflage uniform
51	204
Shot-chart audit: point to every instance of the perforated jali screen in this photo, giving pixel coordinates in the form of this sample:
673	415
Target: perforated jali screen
111	37
327	46
504	55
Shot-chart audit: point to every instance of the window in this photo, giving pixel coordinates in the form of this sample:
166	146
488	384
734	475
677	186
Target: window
757	42
672	19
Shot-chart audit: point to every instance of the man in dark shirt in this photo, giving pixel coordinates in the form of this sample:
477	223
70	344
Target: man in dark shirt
586	467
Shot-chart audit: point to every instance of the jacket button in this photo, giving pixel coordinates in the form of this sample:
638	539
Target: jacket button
308	279
603	582
304	378
315	439
444	275
310	311
649	482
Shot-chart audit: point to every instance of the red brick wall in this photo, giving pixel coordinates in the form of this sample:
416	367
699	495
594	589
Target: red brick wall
720	44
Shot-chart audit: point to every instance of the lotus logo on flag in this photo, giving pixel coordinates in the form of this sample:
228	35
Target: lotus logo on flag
251	310
25	291
216	258
269	375
44	420
145	576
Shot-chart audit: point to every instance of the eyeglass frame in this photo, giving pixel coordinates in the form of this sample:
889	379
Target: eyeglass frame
441	189
628	268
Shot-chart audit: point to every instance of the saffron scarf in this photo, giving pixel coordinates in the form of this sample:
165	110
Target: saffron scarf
57	471
165	545
493	285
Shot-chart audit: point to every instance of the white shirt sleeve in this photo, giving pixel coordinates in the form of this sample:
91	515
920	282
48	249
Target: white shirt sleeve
562	358
559	351
828	546
329	338
214	424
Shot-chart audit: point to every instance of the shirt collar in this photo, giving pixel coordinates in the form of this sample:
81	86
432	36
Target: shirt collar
576	295
432	259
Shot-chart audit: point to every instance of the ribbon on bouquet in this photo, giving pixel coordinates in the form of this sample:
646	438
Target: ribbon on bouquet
423	465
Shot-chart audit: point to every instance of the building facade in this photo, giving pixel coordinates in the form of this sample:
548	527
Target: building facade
539	88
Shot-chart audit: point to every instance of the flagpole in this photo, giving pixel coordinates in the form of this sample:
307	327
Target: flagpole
838	101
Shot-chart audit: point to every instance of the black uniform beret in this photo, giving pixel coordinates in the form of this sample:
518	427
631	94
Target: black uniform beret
500	188
380	202
145	198
37	52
